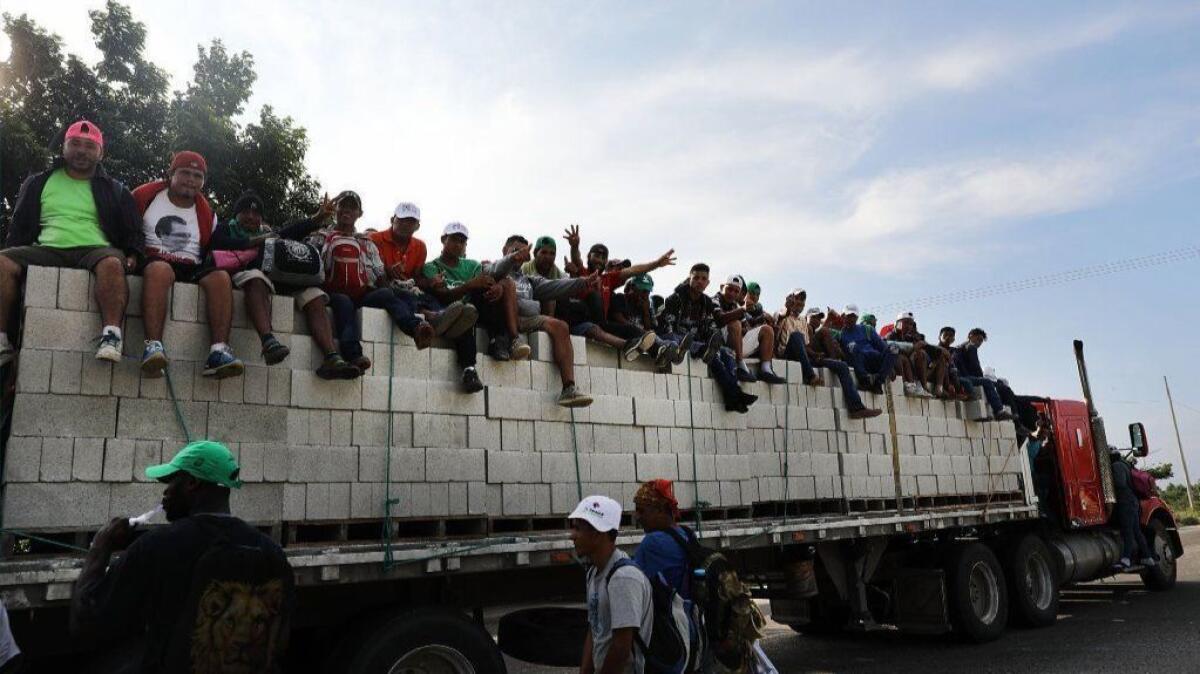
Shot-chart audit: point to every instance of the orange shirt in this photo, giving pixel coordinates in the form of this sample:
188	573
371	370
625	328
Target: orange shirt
407	260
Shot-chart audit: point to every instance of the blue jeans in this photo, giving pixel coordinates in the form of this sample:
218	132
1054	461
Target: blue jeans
873	363
401	307
989	390
345	325
722	368
795	351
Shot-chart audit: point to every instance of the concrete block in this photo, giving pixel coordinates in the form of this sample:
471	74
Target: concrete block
185	302
244	423
33	370
339	501
653	412
880	465
516	436
369	428
309	390
853	465
73	289
75	416
733	467
483	433
604	381
656	466
635	384
613	467
477	497
513	467
22	461
59	330
514	403
254	385
421	500
41	287
552	436
316	504
56	457
821	419
560	467
135	498
599	355
440	430
230	390
41	505
513	373
294	498
455	465
118	460
279	386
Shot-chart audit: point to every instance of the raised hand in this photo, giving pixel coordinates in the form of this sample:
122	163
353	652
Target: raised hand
325	209
665	260
522	254
571	234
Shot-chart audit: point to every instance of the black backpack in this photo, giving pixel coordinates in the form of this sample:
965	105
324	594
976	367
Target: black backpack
293	263
732	621
237	614
668	650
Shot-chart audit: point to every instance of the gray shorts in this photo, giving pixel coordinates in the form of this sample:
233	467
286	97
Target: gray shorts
85	257
302	296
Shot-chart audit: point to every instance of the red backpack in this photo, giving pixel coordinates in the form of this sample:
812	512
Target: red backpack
347	268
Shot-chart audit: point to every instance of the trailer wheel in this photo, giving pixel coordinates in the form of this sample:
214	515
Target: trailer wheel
978	593
544	636
435	640
1032	580
1160	577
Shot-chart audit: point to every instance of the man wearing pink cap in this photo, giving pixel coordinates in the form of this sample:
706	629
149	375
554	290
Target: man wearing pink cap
73	215
178	223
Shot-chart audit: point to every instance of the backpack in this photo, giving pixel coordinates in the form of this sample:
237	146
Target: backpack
1141	482
732	621
347	269
237	613
292	263
669	650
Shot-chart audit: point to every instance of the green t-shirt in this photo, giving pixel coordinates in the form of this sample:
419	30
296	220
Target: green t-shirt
454	276
69	218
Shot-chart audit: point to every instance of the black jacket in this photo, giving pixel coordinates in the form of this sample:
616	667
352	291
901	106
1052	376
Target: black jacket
119	219
682	312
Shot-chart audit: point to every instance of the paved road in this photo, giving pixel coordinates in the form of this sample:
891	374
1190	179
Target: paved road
1106	626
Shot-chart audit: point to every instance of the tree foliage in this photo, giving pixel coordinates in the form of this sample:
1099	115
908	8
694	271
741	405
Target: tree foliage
43	89
1161	471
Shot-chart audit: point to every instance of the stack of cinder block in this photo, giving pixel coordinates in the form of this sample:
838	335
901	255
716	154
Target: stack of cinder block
315	451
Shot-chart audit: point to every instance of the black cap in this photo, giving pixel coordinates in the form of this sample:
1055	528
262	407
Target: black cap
348	194
248	201
598	248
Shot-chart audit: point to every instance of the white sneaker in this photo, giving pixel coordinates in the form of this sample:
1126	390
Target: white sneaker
520	349
110	347
910	389
922	392
7	352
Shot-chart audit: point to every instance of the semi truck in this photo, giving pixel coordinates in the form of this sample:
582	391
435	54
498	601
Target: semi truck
930	517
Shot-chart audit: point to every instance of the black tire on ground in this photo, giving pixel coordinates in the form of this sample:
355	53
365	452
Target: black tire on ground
1032	578
977	593
429	639
544	636
1160	577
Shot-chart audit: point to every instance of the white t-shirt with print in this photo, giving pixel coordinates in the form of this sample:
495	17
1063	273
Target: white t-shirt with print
626	601
172	233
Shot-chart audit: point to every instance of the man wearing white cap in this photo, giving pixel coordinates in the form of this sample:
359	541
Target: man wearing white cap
745	342
620	612
871	358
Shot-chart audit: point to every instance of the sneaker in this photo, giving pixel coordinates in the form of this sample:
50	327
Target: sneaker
1148	561
442	321
222	364
632	348
362	363
466	320
154	359
712	348
336	367
684	347
423	335
666	356
745	375
910	389
571	397
274	351
748	399
110	348
520	348
470	381
864	413
1122	565
499	348
648	340
770	377
1005	414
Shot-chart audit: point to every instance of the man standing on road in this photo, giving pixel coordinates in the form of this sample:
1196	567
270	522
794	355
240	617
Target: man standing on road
73	215
175	582
620	612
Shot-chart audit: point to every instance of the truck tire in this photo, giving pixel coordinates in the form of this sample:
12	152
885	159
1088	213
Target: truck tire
977	592
544	636
426	640
1032	579
1160	577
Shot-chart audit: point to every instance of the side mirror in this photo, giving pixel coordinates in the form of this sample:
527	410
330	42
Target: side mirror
1137	439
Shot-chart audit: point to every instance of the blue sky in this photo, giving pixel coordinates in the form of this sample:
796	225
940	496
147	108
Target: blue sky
870	153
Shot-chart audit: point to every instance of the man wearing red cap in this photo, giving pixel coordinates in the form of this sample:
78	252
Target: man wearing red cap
663	549
73	215
177	223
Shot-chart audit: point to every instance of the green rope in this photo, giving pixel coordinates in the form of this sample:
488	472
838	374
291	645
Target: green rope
575	448
187	436
388	559
787	437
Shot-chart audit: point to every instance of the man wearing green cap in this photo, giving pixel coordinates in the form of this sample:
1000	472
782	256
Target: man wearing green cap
634	307
204	557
